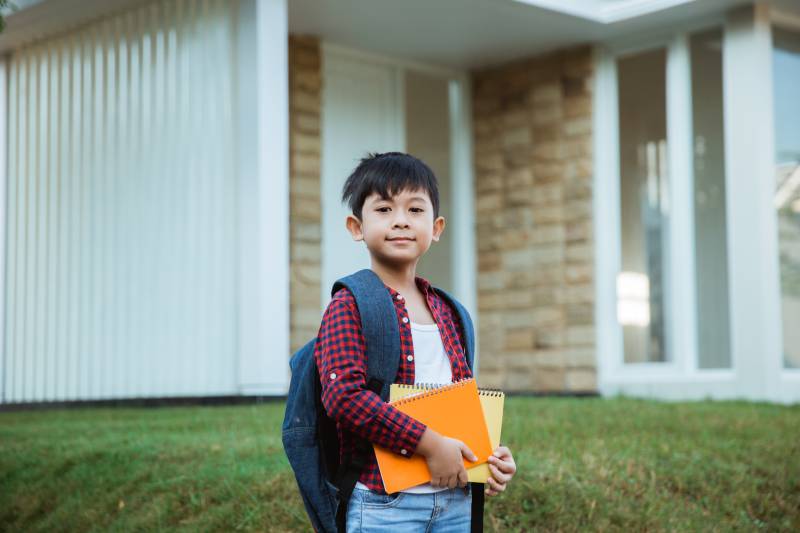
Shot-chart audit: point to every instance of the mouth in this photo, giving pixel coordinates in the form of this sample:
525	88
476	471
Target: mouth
401	239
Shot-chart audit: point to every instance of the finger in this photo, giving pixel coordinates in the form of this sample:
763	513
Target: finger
502	451
498	474
466	452
452	482
511	466
463	478
435	482
505	459
495	485
505	466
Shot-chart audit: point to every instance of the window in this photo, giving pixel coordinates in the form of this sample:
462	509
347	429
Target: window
644	201
786	80
710	239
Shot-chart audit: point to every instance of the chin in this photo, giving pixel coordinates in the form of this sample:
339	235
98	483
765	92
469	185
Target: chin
404	256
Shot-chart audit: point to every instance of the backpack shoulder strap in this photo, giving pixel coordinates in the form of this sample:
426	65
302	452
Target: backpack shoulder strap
382	335
467	327
378	324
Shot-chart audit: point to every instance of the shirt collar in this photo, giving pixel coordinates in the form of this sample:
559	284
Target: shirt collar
423	284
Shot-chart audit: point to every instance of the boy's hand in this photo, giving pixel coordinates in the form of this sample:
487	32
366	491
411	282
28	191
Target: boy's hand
502	469
444	457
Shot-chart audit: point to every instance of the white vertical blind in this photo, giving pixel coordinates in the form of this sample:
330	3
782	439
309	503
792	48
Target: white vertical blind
122	236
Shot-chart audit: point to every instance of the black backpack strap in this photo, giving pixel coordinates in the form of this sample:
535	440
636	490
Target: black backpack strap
477	508
382	336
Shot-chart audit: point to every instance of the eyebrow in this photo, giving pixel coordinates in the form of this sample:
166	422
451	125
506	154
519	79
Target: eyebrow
418	198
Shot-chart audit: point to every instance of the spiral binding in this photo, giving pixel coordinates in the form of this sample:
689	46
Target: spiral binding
430	391
494	393
430	388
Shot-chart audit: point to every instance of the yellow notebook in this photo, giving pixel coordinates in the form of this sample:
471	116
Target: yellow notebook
492	401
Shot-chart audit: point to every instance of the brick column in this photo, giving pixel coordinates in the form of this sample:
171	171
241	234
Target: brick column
305	84
533	157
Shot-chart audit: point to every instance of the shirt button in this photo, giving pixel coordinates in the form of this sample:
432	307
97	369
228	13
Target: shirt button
333	375
404	452
399	296
410	357
405	320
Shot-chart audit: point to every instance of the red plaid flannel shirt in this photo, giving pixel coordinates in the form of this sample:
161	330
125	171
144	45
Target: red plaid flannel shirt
342	364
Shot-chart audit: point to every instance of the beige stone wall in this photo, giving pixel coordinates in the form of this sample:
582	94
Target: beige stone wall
533	159
305	84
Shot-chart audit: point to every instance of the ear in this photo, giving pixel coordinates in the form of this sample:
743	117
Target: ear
354	227
438	228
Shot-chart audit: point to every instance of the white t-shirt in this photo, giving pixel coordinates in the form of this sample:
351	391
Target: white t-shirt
431	365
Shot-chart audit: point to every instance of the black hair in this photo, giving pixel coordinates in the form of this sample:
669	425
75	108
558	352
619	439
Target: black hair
388	174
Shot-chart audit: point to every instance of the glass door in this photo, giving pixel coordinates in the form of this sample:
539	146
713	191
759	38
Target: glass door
786	81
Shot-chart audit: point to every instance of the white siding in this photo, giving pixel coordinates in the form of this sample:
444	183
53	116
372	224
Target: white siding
122	214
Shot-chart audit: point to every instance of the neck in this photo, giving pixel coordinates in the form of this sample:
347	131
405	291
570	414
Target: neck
400	278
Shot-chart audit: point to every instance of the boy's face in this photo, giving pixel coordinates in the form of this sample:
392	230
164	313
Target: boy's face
399	230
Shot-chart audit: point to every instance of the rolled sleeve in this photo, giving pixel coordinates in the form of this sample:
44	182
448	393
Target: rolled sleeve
409	432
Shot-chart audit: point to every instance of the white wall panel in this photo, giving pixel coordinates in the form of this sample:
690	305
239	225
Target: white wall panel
122	247
362	111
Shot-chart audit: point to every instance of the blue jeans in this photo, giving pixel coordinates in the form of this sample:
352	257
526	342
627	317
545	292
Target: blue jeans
447	511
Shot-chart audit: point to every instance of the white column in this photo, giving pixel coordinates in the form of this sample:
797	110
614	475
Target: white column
264	356
606	215
463	248
682	306
750	186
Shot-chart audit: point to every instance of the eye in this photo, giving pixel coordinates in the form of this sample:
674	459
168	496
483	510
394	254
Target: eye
417	210
383	209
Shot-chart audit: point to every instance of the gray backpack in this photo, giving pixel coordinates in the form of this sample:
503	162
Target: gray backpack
309	435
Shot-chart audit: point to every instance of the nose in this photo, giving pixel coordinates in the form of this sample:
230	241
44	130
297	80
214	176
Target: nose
400	220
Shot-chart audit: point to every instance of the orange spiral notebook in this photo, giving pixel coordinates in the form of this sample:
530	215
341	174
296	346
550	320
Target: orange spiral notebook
492	401
453	411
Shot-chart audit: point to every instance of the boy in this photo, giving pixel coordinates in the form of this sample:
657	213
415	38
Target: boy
394	201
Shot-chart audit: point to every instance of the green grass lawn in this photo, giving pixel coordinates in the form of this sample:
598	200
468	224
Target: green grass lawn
598	464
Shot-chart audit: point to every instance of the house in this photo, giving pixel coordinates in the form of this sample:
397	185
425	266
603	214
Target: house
620	179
